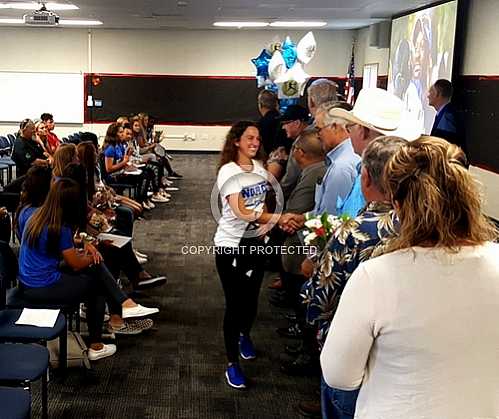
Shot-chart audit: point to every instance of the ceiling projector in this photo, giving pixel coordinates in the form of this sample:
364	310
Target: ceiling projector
42	17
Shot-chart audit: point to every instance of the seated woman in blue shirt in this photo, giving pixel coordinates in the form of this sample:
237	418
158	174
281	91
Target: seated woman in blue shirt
116	162
47	240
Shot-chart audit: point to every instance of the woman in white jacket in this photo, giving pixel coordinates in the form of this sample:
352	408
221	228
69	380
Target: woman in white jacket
416	329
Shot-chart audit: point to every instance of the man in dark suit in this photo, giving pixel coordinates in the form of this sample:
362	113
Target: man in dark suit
446	123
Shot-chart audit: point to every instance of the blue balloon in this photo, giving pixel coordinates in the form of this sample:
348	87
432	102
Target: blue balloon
262	64
288	51
284	103
272	87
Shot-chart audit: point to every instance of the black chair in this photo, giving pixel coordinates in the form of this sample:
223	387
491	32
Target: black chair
120	188
6	163
15	403
21	365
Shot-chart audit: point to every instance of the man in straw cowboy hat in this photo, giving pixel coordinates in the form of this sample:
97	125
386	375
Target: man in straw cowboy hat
376	112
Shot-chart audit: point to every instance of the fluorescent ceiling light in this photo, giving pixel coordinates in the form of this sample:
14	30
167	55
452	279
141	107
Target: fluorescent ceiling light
291	24
241	24
4	20
36	6
80	22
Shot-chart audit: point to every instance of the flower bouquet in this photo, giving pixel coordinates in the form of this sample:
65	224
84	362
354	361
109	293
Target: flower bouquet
320	228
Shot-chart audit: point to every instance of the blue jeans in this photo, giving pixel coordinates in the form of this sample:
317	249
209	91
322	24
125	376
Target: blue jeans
337	404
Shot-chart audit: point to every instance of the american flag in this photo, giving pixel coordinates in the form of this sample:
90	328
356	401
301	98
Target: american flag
349	85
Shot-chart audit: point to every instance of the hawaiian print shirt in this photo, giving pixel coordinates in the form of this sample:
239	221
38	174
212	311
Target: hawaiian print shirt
353	242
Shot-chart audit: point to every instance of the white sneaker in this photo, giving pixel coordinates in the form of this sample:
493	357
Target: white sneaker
171	188
159	199
149	193
151	205
146	205
167	182
140	254
165	194
138	311
141	260
107	350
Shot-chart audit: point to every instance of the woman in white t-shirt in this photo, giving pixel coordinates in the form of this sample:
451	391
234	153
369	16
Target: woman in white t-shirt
242	184
416	329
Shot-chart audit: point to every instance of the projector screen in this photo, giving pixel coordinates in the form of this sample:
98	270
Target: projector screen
421	52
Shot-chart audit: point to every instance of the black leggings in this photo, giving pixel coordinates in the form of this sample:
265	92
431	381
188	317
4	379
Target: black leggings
142	182
241	285
94	285
122	259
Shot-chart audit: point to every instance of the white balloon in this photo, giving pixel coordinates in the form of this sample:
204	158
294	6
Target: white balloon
275	45
292	83
277	66
305	50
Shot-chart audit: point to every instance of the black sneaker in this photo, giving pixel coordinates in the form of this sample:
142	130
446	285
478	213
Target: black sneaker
280	302
294	349
155	281
174	175
304	365
293	332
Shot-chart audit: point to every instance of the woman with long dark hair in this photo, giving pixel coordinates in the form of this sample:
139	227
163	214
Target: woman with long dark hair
47	240
242	183
116	163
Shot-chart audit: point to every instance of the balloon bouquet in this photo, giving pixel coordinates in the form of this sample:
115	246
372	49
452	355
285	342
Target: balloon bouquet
279	68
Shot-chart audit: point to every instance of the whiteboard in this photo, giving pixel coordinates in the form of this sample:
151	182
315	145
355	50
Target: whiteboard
28	95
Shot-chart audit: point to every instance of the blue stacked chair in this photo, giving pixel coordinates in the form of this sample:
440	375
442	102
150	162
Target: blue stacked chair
21	365
15	403
9	330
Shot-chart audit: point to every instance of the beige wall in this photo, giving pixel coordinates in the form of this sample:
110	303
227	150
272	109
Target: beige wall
222	53
215	53
207	52
364	54
481	55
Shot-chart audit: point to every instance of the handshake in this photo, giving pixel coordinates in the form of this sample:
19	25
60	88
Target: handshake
290	223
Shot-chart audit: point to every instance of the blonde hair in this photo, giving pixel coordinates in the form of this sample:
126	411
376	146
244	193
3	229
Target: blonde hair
438	200
64	155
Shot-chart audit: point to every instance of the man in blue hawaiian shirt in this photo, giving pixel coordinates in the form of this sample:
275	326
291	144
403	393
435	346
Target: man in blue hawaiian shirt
353	242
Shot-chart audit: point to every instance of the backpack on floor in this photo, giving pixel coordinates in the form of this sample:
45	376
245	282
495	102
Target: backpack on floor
77	352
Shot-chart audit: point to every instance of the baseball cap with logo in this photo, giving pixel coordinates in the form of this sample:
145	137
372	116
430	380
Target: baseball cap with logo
295	113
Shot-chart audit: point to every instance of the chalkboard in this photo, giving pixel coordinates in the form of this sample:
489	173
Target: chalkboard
192	100
477	99
29	94
173	99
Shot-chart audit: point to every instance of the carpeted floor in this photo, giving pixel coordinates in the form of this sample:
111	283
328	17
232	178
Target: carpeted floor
177	370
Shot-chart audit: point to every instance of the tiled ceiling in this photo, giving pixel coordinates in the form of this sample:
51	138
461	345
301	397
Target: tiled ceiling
200	14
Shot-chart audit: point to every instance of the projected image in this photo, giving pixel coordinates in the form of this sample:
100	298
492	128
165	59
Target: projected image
421	52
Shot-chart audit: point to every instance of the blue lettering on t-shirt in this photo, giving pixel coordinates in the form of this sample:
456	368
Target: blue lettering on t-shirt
251	191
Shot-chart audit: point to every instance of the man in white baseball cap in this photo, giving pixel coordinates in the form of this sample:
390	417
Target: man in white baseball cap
376	112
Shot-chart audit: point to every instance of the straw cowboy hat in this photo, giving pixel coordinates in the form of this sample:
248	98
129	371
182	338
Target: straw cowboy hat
381	111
